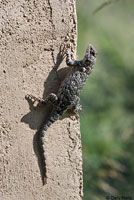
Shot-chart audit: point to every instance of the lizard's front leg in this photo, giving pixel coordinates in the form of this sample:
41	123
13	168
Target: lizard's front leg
69	60
51	98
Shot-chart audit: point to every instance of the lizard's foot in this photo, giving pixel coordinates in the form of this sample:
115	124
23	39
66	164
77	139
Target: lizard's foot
64	48
74	117
35	99
73	111
51	98
77	108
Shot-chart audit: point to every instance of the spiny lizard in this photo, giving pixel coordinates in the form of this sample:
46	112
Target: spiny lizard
67	98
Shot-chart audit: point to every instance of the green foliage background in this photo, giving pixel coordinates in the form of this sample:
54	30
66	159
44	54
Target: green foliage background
107	125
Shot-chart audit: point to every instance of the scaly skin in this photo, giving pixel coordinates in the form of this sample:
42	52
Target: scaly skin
67	98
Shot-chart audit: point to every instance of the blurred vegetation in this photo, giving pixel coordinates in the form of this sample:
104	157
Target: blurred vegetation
105	3
107	125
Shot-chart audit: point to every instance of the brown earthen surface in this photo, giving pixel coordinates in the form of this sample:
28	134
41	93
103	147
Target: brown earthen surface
31	33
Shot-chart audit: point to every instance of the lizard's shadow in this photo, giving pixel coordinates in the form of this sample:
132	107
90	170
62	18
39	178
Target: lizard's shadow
38	114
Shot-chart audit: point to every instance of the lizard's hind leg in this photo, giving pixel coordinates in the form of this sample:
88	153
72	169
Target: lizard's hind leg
51	98
75	108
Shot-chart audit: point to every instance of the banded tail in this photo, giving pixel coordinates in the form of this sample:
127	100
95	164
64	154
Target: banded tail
53	117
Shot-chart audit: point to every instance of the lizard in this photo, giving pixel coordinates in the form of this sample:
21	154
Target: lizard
67	98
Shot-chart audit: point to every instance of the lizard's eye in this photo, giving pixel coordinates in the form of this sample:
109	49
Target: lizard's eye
87	62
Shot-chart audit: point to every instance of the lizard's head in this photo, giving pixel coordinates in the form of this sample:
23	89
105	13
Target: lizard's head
90	56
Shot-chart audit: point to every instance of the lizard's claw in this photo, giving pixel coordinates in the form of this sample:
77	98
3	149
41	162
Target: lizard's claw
30	97
65	49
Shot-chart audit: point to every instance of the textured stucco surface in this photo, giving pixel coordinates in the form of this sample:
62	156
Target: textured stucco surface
31	33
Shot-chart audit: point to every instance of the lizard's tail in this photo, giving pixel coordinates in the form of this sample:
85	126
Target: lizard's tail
42	132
